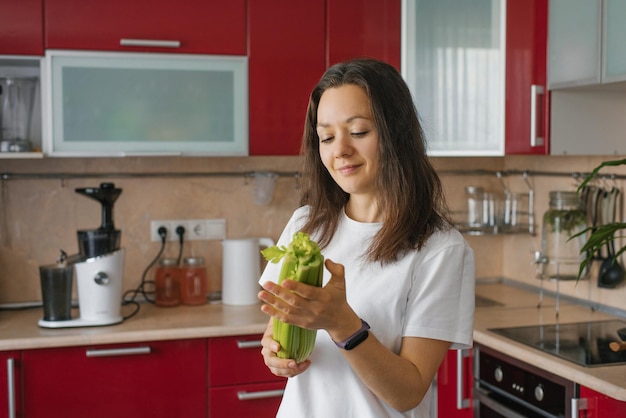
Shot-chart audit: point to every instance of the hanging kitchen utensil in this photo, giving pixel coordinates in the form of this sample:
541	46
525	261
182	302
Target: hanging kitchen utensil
611	271
619	345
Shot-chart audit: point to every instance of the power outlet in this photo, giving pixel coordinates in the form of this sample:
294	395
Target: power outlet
195	229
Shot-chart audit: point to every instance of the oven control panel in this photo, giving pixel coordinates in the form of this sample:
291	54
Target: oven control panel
515	387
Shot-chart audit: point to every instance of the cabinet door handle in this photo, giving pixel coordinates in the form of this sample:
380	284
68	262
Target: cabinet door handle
461	402
247	396
112	352
578	404
536	91
249	344
11	386
150	42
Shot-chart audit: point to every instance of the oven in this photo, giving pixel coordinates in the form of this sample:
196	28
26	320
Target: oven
506	387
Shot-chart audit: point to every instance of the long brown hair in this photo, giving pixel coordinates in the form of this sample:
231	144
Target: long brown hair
411	195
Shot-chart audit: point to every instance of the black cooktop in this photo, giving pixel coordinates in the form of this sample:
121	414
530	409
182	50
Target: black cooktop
584	343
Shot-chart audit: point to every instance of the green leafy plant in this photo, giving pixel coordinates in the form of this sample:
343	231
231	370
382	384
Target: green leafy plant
600	235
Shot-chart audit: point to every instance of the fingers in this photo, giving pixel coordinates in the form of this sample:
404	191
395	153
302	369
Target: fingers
278	366
335	269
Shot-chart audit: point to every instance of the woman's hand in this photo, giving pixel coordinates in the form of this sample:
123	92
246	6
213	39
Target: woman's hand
313	307
278	366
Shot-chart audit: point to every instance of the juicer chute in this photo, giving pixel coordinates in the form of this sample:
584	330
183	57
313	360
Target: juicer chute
105	239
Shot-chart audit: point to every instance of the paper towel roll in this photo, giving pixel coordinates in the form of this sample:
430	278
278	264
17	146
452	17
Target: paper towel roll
241	270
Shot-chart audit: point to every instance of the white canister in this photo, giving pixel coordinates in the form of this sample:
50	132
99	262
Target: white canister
241	269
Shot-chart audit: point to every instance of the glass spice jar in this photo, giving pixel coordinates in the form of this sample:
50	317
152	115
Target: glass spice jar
193	290
564	219
167	283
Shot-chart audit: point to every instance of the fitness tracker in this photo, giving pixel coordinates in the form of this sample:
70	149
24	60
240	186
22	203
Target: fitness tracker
356	338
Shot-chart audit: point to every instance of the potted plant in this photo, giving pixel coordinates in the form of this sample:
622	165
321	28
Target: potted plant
602	235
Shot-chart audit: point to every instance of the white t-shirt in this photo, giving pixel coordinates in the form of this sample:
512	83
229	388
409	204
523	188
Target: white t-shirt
428	293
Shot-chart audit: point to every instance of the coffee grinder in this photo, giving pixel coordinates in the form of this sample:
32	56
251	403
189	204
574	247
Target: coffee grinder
99	267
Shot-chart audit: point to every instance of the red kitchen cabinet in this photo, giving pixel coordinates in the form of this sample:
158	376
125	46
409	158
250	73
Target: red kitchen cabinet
21	27
10	384
600	406
454	400
201	26
527	108
286	47
363	28
156	379
290	44
240	385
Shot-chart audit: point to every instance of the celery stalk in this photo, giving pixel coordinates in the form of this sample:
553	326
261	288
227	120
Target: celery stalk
302	262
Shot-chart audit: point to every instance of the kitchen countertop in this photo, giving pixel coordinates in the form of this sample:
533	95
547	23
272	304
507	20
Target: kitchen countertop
517	307
520	309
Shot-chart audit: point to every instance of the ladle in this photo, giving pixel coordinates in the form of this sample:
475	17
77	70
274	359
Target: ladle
611	271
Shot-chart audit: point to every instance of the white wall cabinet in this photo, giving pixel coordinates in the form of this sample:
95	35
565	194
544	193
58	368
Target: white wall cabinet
586	74
586	43
453	59
116	104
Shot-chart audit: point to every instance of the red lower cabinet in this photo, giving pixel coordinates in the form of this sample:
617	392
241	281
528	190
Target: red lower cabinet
454	396
599	405
155	379
10	384
240	385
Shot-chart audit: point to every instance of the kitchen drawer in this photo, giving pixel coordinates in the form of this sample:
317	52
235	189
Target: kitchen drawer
150	379
237	360
257	400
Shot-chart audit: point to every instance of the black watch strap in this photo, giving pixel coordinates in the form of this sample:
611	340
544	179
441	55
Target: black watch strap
356	338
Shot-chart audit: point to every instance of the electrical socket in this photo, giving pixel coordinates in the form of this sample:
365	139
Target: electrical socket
195	229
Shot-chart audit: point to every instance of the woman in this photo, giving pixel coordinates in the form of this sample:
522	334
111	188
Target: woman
375	205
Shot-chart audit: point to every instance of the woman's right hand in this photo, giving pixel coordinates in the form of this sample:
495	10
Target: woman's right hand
276	365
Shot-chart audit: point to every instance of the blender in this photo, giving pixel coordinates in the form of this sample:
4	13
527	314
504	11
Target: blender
17	97
99	267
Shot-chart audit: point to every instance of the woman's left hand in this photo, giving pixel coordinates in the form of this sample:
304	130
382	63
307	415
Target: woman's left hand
309	306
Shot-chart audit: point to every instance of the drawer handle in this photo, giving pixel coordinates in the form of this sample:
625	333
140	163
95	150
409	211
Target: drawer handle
11	386
150	42
579	404
461	402
247	396
249	344
112	352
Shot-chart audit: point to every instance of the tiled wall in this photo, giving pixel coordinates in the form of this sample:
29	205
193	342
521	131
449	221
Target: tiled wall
39	216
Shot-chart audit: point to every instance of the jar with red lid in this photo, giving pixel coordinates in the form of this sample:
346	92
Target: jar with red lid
167	283
193	290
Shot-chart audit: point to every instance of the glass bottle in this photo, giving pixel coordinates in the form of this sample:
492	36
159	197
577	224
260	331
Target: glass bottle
193	290
562	220
166	281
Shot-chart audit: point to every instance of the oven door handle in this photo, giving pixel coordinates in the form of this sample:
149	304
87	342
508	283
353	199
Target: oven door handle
484	399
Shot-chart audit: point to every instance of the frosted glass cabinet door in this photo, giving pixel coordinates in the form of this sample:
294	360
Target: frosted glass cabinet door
574	42
146	104
453	61
615	36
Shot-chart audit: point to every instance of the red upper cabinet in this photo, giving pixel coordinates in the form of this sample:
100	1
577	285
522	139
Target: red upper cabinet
527	99
363	28
21	27
286	47
290	44
200	26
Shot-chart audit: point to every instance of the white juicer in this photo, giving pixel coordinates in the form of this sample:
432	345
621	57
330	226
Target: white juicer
99	268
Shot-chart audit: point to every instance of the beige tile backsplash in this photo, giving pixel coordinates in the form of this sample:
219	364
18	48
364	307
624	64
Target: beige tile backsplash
39	216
